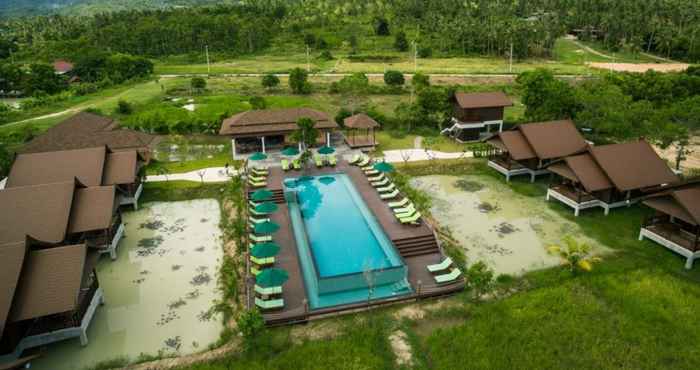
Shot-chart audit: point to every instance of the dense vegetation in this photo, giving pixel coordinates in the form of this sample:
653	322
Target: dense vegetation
154	28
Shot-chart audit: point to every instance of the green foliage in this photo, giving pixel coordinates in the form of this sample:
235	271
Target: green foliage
342	114
198	83
306	133
381	26
98	66
394	78
270	81
43	80
400	41
251	325
124	107
6	159
326	55
10	76
425	51
545	97
298	81
7	47
257	102
420	80
480	278
575	255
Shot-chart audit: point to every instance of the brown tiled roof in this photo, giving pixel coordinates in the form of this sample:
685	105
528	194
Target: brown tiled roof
50	282
555	139
633	165
682	201
360	121
120	168
515	143
273	121
11	260
87	130
41	212
44	168
92	209
62	66
584	169
482	100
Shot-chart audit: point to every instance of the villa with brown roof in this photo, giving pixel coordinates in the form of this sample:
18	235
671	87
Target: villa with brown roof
676	221
260	130
96	166
48	288
474	115
364	125
609	176
88	130
529	148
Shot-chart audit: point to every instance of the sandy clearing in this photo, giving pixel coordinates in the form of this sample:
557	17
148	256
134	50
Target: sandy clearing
640	67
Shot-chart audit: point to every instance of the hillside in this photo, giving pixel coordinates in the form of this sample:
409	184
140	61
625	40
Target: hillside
20	8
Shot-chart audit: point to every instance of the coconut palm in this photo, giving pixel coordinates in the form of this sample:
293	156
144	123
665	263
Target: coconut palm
575	255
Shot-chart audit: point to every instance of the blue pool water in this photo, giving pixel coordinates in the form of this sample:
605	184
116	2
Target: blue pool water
341	244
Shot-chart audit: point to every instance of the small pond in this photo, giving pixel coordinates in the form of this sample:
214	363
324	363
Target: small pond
508	231
157	292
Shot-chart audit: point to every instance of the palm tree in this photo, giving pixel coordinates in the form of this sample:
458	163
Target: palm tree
575	255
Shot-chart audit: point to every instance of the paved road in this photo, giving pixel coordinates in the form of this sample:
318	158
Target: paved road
465	75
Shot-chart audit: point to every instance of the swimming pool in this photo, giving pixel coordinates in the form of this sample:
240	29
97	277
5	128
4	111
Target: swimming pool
341	245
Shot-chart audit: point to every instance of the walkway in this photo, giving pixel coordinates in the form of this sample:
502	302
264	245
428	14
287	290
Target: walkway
212	174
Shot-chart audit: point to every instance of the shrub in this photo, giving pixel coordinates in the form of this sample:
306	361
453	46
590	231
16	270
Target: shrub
425	52
298	81
480	279
326	55
198	83
270	81
309	39
251	325
420	80
381	26
124	107
321	43
394	78
400	41
343	113
257	102
83	88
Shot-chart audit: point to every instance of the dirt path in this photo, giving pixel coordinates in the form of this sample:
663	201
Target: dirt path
591	50
641	67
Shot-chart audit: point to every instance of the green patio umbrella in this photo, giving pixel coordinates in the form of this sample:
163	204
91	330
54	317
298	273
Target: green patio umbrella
290	151
258	157
266	208
267	227
271	277
261	195
265	250
384	167
326	150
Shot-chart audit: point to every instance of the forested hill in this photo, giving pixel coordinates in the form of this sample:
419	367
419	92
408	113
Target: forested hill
24	8
669	28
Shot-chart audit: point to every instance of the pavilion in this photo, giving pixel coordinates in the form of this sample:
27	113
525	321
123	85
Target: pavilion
364	125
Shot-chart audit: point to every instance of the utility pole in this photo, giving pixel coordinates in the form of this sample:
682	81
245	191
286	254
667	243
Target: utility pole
415	57
308	60
206	50
510	66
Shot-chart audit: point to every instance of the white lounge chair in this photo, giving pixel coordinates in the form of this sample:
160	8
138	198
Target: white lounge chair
380	183
449	277
442	266
269	304
268	291
387	189
391	195
408	209
260	239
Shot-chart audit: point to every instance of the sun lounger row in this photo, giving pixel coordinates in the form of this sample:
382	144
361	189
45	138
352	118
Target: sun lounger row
445	265
320	161
295	164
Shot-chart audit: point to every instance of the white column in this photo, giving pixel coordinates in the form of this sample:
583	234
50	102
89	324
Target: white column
233	148
500	127
328	138
300	146
262	140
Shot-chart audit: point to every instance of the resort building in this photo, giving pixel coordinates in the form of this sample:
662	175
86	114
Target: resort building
49	289
676	222
530	148
98	166
609	176
262	130
88	130
360	131
477	115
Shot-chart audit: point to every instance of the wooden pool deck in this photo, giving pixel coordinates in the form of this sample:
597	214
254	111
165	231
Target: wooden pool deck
417	245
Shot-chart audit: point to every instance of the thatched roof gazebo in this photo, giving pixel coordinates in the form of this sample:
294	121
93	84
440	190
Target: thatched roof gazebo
364	125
